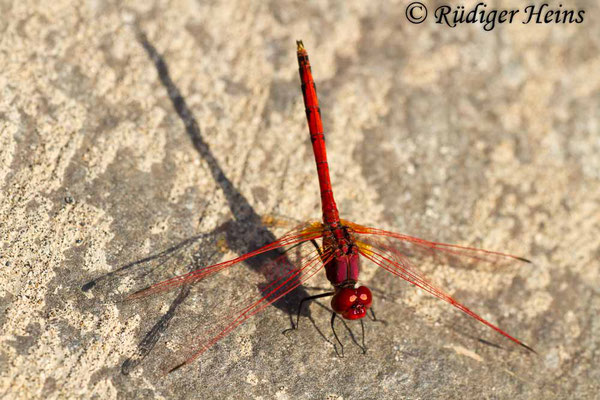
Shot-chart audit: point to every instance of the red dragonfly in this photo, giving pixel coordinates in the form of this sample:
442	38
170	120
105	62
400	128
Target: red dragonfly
343	243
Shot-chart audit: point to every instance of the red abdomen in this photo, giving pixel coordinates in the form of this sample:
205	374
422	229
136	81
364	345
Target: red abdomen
315	126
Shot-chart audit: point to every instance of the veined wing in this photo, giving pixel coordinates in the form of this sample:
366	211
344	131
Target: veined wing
377	249
285	273
301	234
452	254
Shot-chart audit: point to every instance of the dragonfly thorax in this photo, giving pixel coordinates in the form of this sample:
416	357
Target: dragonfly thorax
343	269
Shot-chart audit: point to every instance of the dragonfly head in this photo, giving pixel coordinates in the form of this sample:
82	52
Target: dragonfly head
352	303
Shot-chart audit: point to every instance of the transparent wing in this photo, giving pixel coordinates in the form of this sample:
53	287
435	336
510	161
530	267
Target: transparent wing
378	248
283	265
285	273
301	234
451	254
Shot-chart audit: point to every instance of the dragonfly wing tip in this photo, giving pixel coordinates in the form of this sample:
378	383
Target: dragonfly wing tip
528	348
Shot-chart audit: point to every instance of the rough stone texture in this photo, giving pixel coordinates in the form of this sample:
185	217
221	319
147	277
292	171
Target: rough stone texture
127	129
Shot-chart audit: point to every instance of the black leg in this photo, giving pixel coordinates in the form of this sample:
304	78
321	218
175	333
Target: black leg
362	346
309	298
374	318
341	355
314	242
362	329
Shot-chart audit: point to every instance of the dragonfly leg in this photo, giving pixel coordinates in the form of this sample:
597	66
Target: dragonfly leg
314	242
309	298
341	355
362	329
362	345
374	318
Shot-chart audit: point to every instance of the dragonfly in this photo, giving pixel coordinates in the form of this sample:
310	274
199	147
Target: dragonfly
334	244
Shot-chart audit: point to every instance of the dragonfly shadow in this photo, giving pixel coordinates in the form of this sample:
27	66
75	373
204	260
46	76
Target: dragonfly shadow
461	330
147	270
247	223
143	269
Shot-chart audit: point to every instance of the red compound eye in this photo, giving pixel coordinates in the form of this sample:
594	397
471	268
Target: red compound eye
365	297
343	300
352	303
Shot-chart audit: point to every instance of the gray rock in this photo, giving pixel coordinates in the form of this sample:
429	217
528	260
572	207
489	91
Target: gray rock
151	138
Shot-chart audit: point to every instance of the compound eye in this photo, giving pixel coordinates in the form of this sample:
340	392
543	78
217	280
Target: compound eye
343	300
365	297
352	303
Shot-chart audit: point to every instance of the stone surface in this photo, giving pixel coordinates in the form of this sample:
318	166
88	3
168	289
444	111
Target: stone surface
125	130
